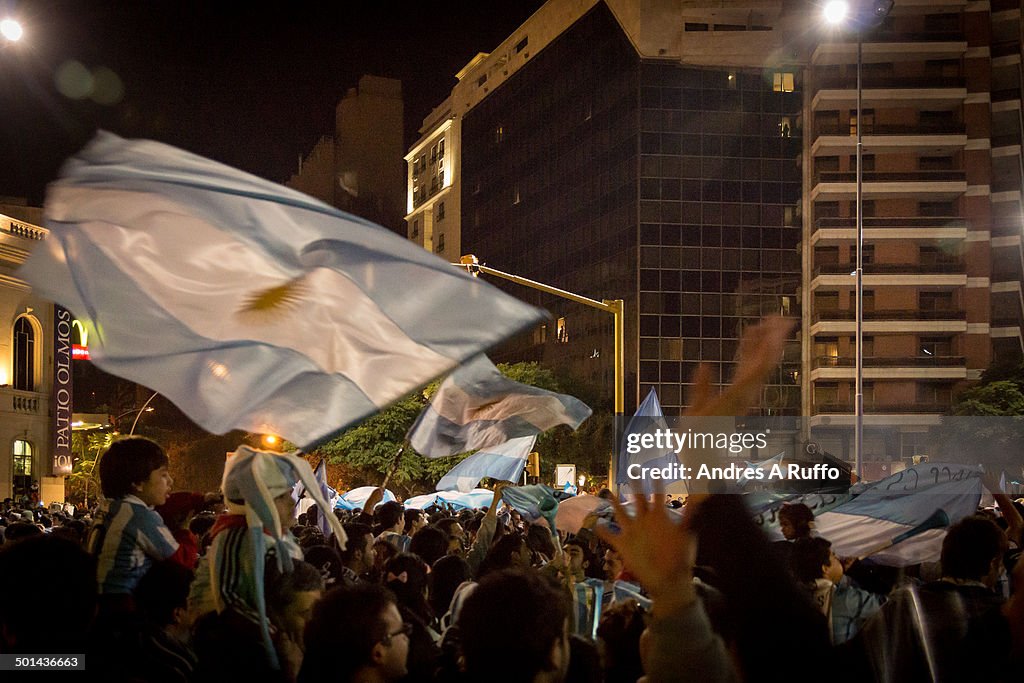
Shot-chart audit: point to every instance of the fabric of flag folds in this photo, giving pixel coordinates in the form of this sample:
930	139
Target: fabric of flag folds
247	304
478	407
504	462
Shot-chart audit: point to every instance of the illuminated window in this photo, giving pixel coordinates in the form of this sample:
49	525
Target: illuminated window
784	81
21	456
785	127
499	134
24	355
561	332
440	149
731	80
515	193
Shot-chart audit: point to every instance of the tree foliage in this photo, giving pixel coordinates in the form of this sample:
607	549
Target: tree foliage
987	421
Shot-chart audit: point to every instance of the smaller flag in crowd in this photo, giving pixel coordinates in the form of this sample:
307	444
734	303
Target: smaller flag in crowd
477	407
504	462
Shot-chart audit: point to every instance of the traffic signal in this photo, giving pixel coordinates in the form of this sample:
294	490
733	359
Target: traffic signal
533	464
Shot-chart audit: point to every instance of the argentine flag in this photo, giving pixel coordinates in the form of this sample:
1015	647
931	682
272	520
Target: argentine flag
504	462
250	305
477	407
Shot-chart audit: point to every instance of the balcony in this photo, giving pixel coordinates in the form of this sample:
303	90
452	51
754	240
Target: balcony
891	268
934	185
881	362
946	138
23	402
933	93
894	46
871	409
898	315
829	230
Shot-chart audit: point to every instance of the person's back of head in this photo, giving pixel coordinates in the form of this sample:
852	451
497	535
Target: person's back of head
162	594
127	462
430	543
352	629
808	557
388	516
405	575
326	560
534	615
19	530
447	574
508	552
972	550
46	576
619	633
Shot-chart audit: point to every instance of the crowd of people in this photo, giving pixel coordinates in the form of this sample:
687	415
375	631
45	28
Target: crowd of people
161	586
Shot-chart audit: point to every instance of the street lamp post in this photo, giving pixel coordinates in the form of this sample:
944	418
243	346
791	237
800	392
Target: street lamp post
614	306
144	409
836	13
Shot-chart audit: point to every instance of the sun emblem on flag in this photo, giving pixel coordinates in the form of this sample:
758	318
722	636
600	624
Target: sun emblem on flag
274	302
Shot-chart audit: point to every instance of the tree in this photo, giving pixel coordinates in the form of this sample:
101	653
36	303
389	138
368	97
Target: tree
987	421
83	484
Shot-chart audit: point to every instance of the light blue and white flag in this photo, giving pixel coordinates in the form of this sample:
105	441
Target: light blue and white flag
504	462
646	420
473	500
534	502
357	497
885	509
477	407
329	494
420	502
250	305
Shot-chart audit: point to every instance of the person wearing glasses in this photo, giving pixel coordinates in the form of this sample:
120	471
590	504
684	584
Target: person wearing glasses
356	635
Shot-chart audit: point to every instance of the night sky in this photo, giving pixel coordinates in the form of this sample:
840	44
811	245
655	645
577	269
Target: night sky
250	87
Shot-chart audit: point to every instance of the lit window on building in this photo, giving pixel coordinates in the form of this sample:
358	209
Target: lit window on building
24	355
499	134
784	81
21	457
561	332
515	193
731	80
785	127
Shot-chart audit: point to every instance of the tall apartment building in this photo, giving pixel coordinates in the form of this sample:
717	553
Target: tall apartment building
941	131
696	161
359	167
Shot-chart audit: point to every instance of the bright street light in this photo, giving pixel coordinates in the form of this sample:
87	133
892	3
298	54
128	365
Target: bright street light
836	11
11	30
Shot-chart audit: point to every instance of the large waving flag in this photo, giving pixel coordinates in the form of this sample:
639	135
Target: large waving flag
504	462
247	304
886	509
477	407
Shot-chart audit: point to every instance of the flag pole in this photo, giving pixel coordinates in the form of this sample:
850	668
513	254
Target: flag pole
394	465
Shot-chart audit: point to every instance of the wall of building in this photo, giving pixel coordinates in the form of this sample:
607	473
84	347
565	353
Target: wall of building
25	414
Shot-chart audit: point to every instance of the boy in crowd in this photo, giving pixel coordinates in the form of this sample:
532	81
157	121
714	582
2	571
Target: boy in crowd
132	536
